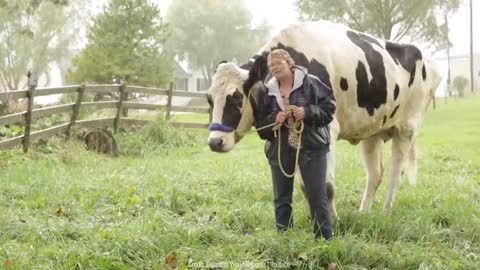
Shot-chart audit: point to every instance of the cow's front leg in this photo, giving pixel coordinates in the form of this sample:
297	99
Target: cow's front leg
331	157
401	146
331	163
372	156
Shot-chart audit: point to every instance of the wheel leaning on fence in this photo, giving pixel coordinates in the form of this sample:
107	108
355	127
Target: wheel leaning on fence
101	141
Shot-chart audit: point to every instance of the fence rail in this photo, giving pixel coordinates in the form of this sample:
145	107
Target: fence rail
121	105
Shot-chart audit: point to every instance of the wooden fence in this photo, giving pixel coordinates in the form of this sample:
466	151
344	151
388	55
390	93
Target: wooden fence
121	105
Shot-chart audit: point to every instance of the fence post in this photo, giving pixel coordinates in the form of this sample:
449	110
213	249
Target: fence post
125	98
169	100
76	109
120	110
32	84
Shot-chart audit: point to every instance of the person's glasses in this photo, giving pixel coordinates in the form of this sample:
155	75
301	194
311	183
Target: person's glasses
276	64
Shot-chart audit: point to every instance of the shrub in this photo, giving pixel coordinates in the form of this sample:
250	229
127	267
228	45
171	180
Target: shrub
460	83
158	135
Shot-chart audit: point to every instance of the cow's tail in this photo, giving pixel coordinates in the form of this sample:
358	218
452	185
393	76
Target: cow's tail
434	79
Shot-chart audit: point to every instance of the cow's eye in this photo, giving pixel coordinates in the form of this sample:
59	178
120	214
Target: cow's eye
235	99
237	94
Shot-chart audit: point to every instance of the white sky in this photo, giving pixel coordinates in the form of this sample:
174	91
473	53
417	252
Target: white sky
281	13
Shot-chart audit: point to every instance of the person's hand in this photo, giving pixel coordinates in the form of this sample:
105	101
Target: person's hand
281	116
299	113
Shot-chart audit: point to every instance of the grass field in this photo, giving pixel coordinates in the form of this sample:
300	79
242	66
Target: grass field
160	206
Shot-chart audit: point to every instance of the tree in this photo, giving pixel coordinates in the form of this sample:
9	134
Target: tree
126	41
29	6
206	32
31	36
389	19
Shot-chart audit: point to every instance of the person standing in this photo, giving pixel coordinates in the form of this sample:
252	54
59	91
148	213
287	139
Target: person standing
294	96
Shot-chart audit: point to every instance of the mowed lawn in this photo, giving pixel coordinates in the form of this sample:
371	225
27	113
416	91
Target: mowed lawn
161	206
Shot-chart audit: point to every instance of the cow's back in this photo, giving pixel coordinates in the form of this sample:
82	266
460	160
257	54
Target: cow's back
377	84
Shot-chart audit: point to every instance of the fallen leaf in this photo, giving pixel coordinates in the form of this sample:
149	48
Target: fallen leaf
302	256
9	264
60	211
171	261
332	266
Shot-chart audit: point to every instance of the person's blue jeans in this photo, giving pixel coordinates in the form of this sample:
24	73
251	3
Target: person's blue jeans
313	165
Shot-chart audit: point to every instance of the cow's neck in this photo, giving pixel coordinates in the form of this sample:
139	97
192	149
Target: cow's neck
248	113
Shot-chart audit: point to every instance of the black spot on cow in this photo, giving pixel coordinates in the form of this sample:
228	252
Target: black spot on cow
258	71
394	111
396	92
250	62
406	55
344	84
369	39
232	110
221	62
370	94
362	83
424	72
384	120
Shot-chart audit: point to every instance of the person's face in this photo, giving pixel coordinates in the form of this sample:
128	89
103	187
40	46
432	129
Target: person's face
279	67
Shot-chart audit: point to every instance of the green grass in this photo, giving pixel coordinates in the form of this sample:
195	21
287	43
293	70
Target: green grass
185	117
65	208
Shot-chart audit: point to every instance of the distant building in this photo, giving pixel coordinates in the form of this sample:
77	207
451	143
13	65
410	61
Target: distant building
181	78
192	81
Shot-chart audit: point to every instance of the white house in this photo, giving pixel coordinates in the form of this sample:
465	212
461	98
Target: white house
189	80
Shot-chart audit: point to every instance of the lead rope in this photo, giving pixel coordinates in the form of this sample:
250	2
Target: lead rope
297	127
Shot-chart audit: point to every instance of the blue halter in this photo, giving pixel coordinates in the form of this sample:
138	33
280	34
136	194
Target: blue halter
220	127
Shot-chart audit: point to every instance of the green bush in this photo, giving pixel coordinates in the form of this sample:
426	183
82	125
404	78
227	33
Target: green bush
158	135
460	82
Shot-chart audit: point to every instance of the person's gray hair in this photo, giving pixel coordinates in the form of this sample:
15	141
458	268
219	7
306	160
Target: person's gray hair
281	53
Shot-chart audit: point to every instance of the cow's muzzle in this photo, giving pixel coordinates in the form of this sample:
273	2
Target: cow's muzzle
216	144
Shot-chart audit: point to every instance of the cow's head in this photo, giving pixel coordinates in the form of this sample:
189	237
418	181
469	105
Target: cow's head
228	96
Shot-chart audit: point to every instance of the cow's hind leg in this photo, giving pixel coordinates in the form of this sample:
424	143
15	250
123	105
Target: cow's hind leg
372	156
330	195
401	146
331	161
411	166
302	187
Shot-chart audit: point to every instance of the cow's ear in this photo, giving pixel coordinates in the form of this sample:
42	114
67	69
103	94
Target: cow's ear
258	72
221	62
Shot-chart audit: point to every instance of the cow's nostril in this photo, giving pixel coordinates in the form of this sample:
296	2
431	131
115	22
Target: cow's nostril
215	144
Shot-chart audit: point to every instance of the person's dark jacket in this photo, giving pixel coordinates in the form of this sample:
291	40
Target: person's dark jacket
319	105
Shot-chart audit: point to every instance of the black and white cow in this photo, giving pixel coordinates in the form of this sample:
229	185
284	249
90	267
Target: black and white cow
382	91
